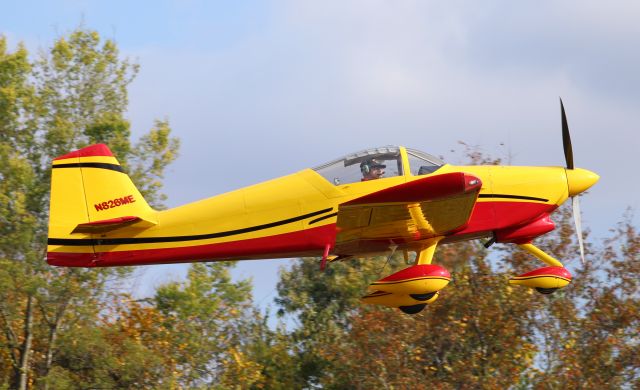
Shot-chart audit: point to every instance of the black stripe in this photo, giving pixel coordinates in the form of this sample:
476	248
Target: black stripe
154	240
505	196
111	167
322	218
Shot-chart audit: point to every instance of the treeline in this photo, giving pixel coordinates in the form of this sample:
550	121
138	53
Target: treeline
66	328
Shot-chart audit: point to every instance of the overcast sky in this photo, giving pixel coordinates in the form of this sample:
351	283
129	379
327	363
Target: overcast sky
256	90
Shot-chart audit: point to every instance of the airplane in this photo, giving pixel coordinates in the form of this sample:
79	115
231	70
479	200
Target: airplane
378	200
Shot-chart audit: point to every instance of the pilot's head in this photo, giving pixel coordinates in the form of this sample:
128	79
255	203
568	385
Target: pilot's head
372	169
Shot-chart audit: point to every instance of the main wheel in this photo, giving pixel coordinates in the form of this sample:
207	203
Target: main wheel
423	297
413	309
546	291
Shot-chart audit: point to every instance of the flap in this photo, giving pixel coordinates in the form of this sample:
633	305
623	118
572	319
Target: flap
420	209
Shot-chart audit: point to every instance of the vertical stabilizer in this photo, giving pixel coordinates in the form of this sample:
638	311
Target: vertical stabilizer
90	194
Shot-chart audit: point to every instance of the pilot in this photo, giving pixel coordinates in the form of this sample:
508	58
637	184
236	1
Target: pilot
372	169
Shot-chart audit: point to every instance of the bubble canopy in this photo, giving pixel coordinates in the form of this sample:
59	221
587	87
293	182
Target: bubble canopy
352	168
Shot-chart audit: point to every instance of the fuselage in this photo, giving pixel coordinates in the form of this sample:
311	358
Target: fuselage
296	215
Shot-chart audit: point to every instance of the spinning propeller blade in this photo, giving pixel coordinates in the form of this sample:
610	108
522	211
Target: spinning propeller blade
568	156
577	219
566	139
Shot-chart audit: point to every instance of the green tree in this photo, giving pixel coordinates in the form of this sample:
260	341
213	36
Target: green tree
118	351
72	95
18	225
267	359
206	315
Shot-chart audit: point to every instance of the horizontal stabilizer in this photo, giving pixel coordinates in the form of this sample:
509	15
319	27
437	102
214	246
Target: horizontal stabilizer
107	225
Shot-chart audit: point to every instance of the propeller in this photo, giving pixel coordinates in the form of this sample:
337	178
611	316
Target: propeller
566	138
568	156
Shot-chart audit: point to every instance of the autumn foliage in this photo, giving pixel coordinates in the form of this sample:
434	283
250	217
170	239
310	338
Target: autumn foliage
75	328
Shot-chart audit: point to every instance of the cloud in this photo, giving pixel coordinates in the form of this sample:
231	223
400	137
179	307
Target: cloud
317	80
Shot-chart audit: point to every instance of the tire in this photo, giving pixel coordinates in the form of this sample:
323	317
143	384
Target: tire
413	309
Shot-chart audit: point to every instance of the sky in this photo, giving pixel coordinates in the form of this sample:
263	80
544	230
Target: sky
260	89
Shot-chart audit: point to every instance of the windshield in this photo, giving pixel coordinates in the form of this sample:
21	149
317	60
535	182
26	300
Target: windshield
369	164
422	163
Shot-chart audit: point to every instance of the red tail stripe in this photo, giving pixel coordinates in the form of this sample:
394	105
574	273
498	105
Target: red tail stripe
89	151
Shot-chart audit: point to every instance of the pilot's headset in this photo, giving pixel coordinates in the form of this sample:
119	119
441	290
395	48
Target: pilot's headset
366	165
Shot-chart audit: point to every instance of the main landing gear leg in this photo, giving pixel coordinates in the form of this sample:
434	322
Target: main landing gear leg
545	280
424	256
540	254
412	288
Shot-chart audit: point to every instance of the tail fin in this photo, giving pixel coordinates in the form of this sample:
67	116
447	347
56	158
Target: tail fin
90	193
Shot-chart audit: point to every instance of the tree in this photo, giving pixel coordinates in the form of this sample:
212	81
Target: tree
475	333
73	95
596	324
324	304
18	224
123	347
205	316
266	359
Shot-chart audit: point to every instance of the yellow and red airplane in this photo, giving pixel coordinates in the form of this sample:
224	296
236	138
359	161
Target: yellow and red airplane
374	201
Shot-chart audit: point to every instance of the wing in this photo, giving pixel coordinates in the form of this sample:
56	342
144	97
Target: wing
420	209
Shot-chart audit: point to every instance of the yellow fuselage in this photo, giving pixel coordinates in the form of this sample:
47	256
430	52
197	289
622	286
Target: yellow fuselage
290	216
